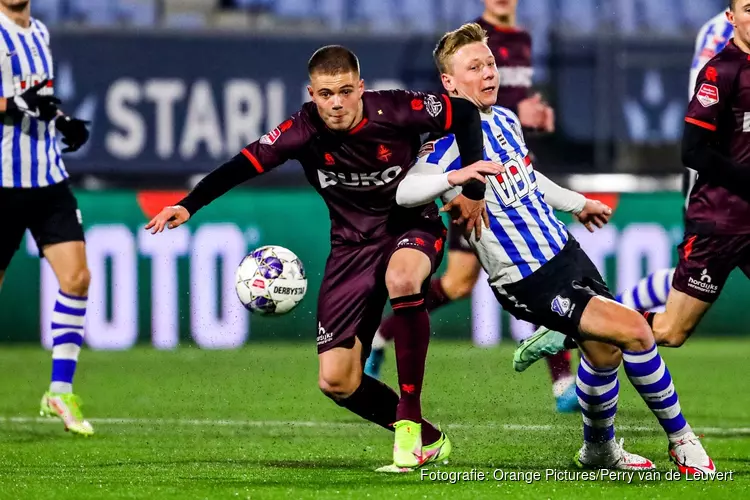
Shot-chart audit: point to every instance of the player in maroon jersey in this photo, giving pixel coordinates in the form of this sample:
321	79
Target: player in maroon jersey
511	47
716	144
355	147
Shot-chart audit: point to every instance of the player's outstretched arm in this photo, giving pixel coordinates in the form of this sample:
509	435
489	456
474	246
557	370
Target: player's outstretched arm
270	151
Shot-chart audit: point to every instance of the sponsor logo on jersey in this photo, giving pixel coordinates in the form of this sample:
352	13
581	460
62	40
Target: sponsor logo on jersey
708	95
433	105
357	179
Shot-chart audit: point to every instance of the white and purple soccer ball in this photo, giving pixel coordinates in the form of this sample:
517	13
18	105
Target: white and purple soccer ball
271	280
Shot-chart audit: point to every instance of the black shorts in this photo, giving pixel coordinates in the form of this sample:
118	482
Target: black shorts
353	293
50	213
557	293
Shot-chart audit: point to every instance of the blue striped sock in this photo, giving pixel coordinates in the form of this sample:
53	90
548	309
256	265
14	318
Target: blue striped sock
649	375
650	292
597	391
68	319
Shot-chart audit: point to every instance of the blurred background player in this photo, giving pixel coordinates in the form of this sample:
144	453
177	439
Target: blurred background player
35	195
512	49
652	291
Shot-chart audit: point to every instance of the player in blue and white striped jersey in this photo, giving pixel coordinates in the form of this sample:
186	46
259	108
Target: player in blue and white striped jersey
524	233
34	193
539	272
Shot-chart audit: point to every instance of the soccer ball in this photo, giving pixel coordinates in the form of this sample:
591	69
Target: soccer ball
271	280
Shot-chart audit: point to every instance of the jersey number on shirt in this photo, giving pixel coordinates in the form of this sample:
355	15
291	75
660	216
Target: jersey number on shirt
514	184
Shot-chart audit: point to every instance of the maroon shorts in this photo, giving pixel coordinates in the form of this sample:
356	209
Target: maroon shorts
353	293
706	262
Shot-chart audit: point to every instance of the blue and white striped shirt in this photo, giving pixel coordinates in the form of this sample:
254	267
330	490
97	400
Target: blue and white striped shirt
29	152
524	232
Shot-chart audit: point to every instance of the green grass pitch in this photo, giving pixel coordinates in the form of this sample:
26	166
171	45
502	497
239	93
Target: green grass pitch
252	424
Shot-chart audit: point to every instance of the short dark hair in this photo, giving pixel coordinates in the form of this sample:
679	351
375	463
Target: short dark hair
332	60
731	4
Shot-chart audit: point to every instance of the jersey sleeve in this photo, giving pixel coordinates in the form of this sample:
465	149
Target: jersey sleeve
712	93
280	144
422	112
428	178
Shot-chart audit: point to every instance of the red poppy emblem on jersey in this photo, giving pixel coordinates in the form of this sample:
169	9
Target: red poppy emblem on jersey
708	95
503	51
438	244
329	159
711	74
417	104
384	154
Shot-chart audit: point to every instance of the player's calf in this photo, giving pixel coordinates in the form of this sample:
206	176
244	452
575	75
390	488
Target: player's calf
675	325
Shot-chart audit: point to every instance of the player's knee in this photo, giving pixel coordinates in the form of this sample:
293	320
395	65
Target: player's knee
402	281
639	336
337	387
76	282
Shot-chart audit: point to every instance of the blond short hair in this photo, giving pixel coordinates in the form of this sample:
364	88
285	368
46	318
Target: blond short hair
452	41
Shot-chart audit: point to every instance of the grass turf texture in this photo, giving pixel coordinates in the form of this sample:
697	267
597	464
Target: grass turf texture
252	424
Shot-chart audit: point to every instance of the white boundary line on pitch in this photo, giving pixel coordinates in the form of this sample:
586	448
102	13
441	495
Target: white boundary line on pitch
715	431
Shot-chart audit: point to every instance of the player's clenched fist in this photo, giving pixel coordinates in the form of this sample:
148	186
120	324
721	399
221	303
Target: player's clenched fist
170	217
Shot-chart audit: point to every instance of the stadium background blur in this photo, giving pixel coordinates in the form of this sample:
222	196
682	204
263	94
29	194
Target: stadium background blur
172	89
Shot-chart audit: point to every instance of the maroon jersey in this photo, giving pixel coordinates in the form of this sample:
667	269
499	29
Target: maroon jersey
512	50
357	172
721	103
